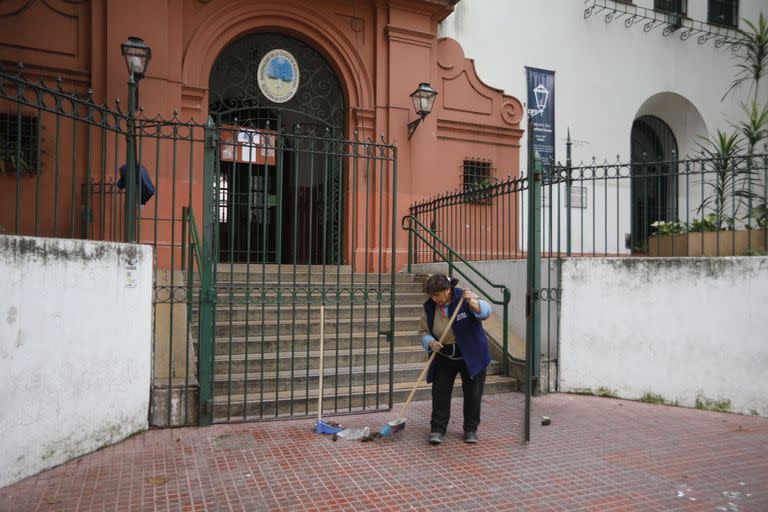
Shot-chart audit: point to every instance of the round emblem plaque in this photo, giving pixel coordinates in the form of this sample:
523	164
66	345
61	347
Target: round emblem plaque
278	76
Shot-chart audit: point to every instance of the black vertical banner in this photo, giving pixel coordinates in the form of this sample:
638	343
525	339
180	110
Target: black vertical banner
541	105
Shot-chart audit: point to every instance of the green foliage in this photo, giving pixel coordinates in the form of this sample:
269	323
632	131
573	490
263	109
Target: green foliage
668	227
759	214
599	391
653	398
11	159
708	404
605	392
706	223
481	191
755	128
728	180
753	60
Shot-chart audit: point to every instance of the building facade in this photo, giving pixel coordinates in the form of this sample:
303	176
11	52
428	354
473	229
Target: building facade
356	63
635	81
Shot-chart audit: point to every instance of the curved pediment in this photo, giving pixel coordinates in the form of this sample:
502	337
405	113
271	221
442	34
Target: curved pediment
469	108
469	97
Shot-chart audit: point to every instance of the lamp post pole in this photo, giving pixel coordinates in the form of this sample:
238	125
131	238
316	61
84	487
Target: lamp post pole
137	55
131	171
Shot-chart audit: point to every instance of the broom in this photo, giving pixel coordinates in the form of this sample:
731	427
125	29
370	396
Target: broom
322	427
395	426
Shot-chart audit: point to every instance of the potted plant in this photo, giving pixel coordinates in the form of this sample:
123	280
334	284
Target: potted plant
731	223
11	159
481	191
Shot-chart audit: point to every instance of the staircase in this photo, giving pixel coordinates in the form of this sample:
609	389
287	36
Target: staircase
267	357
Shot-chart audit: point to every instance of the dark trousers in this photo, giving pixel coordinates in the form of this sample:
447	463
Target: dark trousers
442	386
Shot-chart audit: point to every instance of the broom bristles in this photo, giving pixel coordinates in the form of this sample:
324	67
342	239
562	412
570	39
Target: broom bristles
392	427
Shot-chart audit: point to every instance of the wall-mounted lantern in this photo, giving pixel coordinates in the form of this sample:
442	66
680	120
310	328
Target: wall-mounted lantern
423	100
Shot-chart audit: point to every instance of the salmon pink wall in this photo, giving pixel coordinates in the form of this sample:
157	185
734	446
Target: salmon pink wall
380	50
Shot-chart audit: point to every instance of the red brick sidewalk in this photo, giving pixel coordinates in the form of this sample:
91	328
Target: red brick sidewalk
598	454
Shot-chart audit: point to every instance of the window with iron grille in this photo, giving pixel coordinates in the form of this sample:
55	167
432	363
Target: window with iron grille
723	12
478	174
19	144
675	6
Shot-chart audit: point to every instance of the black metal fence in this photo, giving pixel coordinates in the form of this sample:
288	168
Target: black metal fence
288	221
690	207
708	206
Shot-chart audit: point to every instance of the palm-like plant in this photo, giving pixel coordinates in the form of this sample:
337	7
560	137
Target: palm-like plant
752	66
730	179
755	128
754	59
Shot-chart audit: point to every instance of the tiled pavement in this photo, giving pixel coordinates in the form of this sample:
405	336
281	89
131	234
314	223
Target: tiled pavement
598	454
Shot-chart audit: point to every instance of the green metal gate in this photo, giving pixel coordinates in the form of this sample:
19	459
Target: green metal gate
247	247
295	222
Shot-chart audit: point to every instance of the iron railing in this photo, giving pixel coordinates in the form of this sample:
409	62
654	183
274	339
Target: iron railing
233	291
457	264
478	223
692	207
59	160
708	206
293	251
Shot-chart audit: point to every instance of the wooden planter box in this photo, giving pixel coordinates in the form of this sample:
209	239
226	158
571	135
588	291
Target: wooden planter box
714	243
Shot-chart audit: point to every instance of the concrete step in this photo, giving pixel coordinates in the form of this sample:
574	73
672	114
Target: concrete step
342	399
287	275
296	361
270	382
292	327
286	288
255	312
274	267
269	344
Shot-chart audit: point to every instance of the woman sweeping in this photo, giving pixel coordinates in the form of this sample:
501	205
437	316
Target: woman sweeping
464	351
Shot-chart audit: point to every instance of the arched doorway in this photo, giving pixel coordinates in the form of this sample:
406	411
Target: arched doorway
654	181
279	201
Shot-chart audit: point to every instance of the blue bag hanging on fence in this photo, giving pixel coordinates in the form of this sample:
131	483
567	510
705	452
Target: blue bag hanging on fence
147	188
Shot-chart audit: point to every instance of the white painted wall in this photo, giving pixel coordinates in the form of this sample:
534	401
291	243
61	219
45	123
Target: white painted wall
75	349
604	73
682	328
685	329
606	76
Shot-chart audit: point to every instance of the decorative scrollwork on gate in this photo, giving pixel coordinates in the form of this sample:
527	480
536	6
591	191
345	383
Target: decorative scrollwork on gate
234	83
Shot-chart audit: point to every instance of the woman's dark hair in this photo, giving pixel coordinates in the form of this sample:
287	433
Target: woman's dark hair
438	283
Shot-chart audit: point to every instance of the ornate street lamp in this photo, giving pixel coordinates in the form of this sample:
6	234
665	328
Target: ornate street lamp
423	100
137	56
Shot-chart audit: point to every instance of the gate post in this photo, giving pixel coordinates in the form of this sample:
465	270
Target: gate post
568	188
132	174
532	303
205	330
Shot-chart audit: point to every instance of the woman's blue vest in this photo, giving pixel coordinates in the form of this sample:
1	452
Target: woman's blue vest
468	331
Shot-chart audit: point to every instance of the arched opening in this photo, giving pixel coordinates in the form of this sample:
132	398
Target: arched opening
279	201
654	179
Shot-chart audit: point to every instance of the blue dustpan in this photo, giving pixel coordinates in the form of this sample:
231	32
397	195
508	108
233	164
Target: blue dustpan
322	427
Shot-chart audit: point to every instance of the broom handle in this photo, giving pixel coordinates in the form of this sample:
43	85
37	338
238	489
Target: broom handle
429	362
320	390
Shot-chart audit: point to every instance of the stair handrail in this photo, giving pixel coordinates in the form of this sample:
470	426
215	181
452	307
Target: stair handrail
451	260
191	254
189	224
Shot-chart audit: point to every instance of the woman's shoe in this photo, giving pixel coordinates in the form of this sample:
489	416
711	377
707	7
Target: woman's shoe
435	438
470	437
